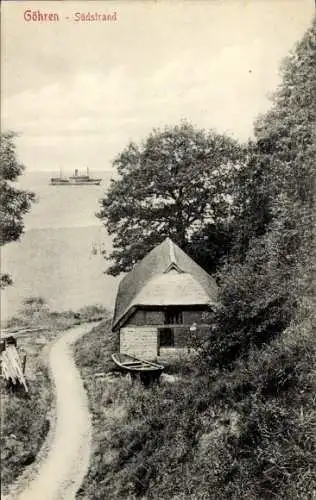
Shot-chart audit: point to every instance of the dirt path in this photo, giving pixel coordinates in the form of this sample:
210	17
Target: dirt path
62	471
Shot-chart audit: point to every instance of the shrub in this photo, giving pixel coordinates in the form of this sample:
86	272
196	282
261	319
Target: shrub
24	426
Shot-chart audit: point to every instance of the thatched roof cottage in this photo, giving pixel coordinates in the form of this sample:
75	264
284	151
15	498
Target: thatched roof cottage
162	301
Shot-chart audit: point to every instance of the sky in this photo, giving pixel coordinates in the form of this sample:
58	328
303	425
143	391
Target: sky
78	92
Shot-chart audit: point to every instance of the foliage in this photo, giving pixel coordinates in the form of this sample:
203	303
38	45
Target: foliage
24	418
24	426
5	280
176	180
261	296
244	427
246	433
212	243
274	455
280	167
91	313
14	202
35	313
269	274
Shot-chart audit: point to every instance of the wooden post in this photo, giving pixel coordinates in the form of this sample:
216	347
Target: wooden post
24	364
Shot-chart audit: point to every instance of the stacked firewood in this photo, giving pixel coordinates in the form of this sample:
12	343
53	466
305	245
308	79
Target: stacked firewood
11	366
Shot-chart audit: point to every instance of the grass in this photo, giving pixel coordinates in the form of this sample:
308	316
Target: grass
242	433
35	313
25	418
24	422
118	422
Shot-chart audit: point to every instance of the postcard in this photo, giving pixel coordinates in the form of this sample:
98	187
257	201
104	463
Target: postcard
156	162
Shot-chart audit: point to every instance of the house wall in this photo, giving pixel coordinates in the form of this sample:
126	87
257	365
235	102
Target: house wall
140	338
194	316
141	342
143	317
183	337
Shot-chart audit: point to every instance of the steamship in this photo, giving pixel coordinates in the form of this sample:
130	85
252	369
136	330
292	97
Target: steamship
75	180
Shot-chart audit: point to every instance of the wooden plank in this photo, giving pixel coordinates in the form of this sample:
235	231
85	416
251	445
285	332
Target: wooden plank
12	367
132	363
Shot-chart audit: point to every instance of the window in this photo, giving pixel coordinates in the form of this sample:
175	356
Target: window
173	316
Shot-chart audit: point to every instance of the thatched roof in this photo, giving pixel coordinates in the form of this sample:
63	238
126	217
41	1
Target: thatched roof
165	276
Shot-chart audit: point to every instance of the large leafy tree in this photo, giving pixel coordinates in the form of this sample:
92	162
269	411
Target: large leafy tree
175	182
263	342
14	202
281	161
271	269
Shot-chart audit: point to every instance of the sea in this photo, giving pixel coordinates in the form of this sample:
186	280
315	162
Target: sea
59	256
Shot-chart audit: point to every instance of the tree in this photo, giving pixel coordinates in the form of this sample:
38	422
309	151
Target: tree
172	184
281	160
270	273
264	333
14	202
212	243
